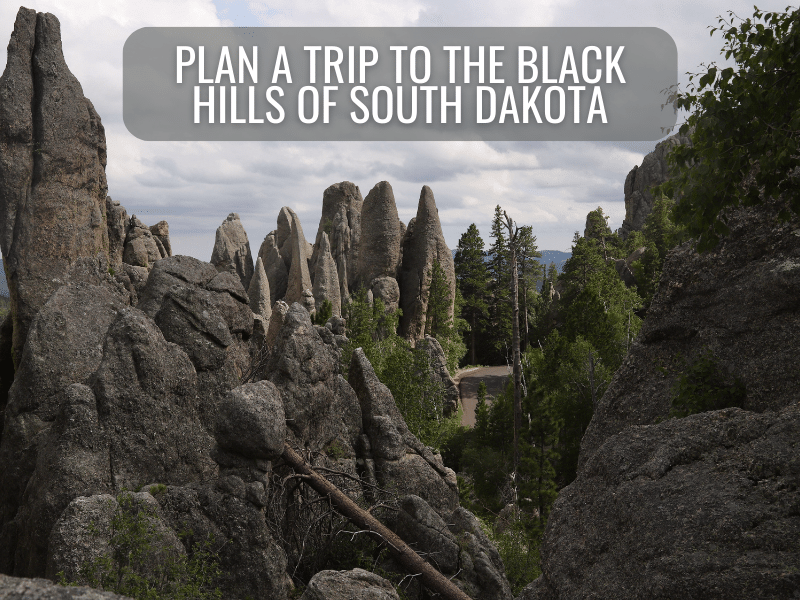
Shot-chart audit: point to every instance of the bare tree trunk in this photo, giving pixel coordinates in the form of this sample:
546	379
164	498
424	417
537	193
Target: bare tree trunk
512	243
410	560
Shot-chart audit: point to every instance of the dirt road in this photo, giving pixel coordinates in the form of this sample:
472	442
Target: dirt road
468	382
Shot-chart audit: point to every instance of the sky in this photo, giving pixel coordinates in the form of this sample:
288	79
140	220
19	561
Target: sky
194	185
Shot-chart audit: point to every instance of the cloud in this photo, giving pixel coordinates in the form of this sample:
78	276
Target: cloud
195	185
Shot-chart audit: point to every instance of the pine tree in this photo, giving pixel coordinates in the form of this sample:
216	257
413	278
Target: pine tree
473	281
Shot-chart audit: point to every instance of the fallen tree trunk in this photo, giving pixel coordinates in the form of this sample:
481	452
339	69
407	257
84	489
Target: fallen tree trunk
412	562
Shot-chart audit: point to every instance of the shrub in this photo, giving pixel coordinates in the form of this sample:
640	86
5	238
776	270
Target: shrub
704	386
137	565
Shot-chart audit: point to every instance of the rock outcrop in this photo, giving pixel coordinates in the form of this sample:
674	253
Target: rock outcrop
706	505
423	245
258	293
653	171
232	250
380	235
52	175
299	279
341	221
326	278
20	588
439	372
401	461
357	584
141	248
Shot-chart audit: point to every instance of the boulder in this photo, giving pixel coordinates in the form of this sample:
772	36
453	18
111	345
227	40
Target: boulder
53	148
326	279
20	588
160	232
380	235
419	526
251	421
258	293
232	250
357	584
423	245
141	248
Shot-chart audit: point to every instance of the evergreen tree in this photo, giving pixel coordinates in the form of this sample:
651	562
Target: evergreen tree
500	299
472	276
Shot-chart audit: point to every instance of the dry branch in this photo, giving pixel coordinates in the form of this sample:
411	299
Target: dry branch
410	560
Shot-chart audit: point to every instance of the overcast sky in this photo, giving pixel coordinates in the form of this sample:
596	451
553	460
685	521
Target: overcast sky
194	185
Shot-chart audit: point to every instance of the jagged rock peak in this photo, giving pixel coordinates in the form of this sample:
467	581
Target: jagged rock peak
653	171
380	235
326	279
232	250
62	156
341	220
299	279
258	293
423	245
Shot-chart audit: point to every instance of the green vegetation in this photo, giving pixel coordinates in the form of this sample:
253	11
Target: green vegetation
704	385
324	313
141	565
744	122
403	369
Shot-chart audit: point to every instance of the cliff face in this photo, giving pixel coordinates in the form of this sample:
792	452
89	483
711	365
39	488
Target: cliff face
706	506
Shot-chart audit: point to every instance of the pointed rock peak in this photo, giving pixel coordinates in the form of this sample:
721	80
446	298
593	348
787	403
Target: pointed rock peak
426	210
380	237
325	245
381	193
232	250
259	293
285	218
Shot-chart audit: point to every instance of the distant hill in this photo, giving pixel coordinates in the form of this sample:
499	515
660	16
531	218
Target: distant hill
555	256
548	256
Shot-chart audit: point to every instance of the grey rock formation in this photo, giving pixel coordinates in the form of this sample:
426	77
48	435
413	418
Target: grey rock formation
341	220
82	533
387	291
53	148
251	421
258	293
299	279
380	235
320	406
401	460
252	563
117	223
419	526
232	250
279	311
703	506
141	248
20	588
439	372
357	584
423	245
456	546
326	278
714	301
160	232
653	171
274	266
699	506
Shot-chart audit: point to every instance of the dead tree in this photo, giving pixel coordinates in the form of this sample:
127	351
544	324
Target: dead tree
412	562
